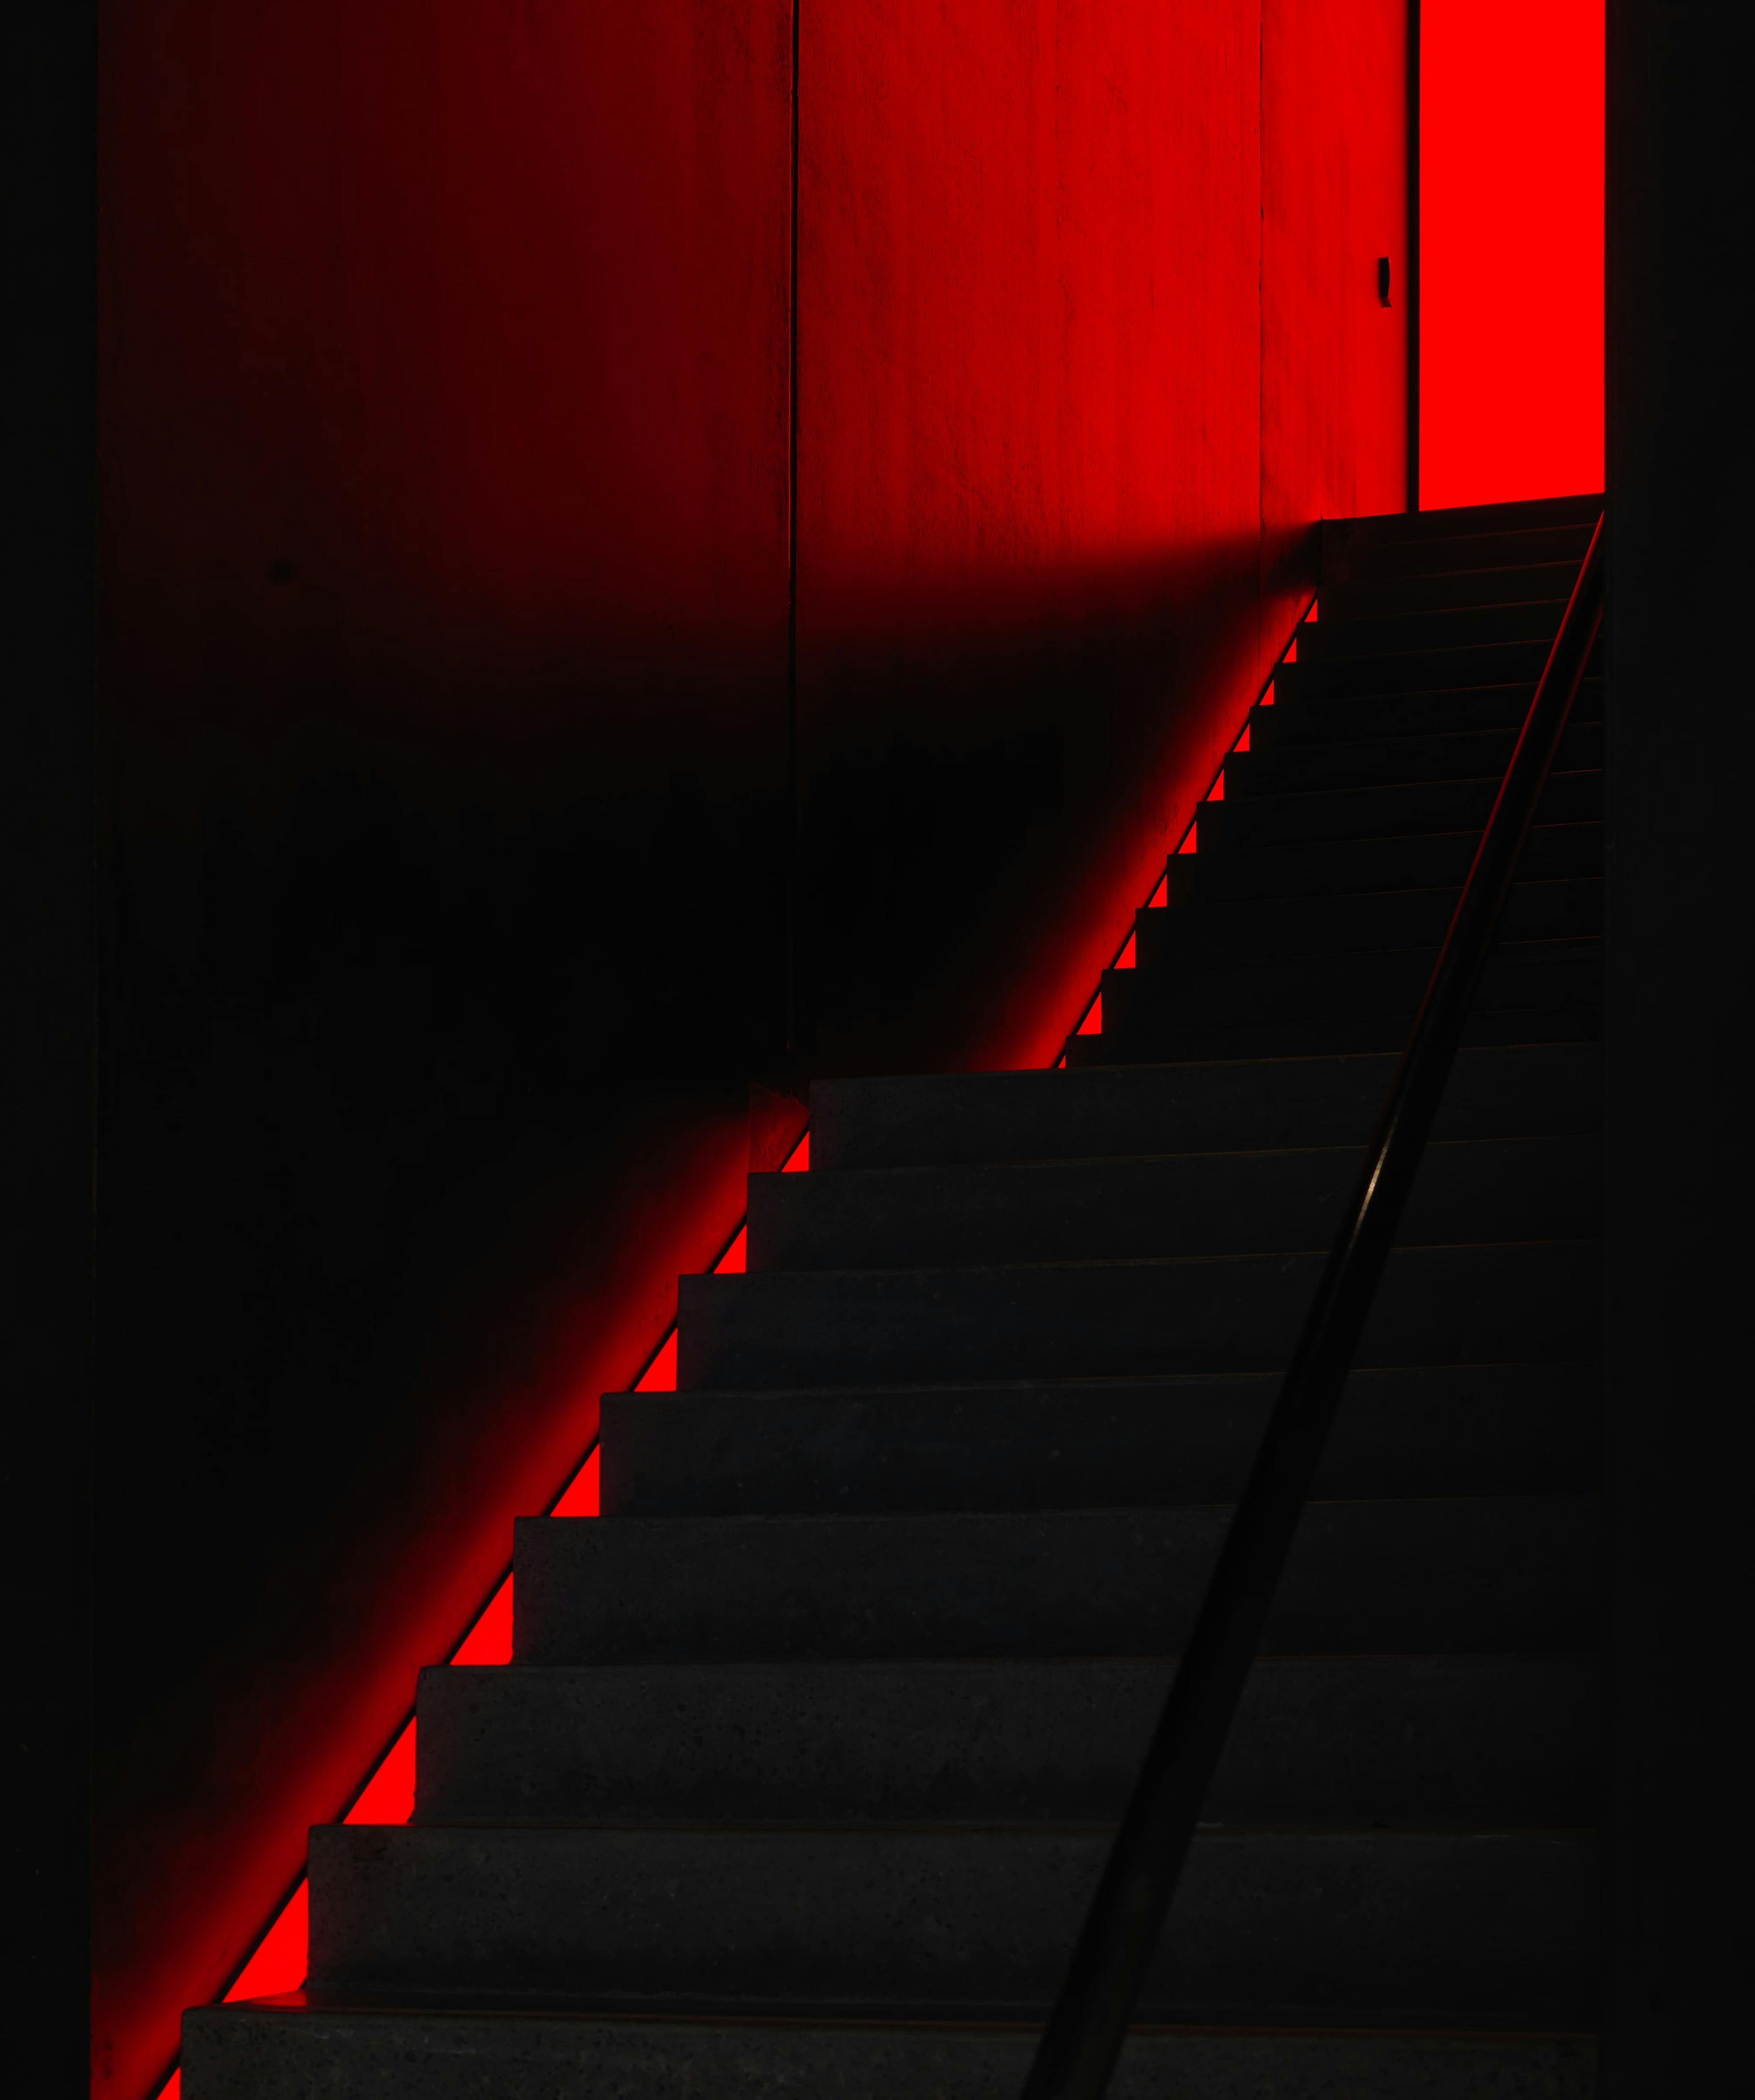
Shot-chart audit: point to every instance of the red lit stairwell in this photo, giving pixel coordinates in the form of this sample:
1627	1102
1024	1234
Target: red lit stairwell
805	1765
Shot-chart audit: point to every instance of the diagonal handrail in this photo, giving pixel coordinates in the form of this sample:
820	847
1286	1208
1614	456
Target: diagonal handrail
1086	2030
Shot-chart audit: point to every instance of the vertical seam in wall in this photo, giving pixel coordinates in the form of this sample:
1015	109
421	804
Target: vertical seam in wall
791	814
1261	323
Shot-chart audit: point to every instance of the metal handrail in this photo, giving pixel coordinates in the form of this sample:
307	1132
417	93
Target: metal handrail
1086	2030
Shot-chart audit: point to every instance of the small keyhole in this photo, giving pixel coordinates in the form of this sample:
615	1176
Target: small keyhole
1383	279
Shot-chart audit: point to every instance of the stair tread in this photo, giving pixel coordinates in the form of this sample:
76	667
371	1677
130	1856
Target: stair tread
1426	1741
286	2050
1404	1574
1378	1926
910	1120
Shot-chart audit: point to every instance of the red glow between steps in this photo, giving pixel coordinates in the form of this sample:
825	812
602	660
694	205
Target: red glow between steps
279	1963
1092	1023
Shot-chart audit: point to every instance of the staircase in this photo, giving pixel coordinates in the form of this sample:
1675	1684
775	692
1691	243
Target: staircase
807	1763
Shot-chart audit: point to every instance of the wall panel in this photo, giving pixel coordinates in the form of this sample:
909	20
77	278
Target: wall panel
445	354
443	487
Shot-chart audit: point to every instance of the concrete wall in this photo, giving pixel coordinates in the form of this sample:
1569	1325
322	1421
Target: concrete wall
1680	1154
443	390
1088	335
444	417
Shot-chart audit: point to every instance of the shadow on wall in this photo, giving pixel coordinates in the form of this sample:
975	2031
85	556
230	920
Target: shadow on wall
410	1119
446	362
990	783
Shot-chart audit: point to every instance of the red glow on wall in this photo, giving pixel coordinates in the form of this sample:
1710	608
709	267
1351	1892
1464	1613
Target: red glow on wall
1092	1023
489	1640
388	1796
659	1375
1510	249
581	1499
280	1962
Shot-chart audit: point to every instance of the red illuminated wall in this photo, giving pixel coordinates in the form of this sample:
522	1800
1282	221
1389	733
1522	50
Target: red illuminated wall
445	412
444	484
1089	336
1510	249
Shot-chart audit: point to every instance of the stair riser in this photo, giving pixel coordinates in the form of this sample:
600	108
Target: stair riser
1203	1203
1466	711
1426	527
1527	584
1339	633
1364	813
1416	671
1464	1576
271	2053
1377	1929
1311	1004
1579	1022
1464	553
970	1118
1287	927
1512	1429
1554	852
1495	1742
1510	1305
1395	761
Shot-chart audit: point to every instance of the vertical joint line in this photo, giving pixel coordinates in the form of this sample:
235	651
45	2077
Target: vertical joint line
791	1029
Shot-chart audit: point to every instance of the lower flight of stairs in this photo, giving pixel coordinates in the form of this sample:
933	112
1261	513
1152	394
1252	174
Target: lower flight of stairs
815	1741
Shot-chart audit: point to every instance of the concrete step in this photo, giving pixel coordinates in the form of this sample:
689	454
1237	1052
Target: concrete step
1465	1575
1330	867
1469	1429
964	1117
1369	1928
1150	1040
1419	1742
1214	1005
1176	1203
1274	726
1393	811
1574	1014
1454	554
299	2051
1414	670
1419	755
1198	931
1341	632
1462	520
1373	597
1532	1302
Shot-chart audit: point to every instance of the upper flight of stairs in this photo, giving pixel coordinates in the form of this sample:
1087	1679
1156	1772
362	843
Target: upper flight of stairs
814	1741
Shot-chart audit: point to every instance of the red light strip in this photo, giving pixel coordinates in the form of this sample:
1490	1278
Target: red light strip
1090	1021
277	1965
